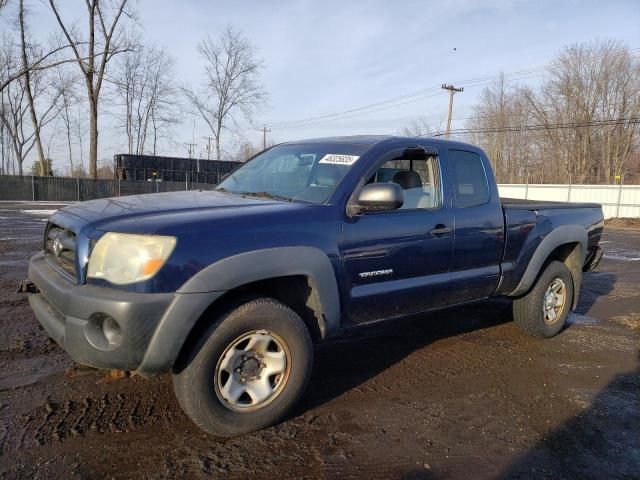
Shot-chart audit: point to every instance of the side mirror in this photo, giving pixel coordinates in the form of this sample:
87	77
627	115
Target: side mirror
377	197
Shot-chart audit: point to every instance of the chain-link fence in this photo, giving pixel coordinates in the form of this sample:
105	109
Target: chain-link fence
64	189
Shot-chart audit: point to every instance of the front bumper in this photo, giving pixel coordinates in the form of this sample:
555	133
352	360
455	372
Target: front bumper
153	327
73	315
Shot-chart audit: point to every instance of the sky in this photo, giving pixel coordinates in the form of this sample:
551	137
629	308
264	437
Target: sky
329	56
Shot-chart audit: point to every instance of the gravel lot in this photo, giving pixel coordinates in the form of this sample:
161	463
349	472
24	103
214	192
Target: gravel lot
457	394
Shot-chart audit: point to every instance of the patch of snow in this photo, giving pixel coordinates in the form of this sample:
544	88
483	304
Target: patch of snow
621	258
622	254
577	319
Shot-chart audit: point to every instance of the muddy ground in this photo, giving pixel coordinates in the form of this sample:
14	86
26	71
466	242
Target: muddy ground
461	394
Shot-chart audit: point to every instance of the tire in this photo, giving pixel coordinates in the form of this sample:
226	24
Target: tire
206	390
529	311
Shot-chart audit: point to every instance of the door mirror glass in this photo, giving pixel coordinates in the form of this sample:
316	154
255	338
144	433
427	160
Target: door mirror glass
377	197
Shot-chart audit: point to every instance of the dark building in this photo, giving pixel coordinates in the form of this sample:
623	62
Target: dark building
170	169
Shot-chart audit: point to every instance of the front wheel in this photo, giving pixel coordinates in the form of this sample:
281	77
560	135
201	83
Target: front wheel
247	371
544	310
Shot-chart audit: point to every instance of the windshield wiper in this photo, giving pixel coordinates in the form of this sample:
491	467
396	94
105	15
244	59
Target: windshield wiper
265	195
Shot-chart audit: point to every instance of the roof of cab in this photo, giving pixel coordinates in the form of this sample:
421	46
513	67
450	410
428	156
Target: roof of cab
371	140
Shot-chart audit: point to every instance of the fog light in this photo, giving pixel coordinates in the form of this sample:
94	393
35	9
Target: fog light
103	331
111	331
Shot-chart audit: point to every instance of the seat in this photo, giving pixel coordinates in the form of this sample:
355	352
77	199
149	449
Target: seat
327	175
324	181
411	184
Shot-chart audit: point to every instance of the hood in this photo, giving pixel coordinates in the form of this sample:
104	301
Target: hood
140	207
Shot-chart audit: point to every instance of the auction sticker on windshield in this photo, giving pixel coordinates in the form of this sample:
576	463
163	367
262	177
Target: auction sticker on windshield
334	159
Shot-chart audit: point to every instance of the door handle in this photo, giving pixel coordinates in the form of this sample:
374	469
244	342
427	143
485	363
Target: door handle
440	230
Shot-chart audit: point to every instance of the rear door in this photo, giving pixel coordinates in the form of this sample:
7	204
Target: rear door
397	262
479	226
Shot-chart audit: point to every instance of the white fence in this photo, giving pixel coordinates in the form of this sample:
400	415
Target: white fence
617	200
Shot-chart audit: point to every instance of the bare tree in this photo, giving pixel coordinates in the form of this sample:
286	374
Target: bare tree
66	86
4	152
14	112
16	107
244	148
27	87
498	118
581	114
145	89
42	63
420	127
104	36
231	84
588	83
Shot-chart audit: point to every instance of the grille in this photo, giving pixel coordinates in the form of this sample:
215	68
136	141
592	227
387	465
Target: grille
60	248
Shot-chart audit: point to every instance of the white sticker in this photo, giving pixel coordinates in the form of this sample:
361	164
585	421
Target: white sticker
334	159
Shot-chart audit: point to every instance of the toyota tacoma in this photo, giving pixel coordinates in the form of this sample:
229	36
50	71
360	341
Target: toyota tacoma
228	289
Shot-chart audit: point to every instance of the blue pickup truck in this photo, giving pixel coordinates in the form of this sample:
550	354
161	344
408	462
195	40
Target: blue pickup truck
228	289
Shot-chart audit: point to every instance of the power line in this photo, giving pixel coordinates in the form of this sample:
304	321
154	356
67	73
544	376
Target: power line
469	82
392	102
485	117
358	114
537	127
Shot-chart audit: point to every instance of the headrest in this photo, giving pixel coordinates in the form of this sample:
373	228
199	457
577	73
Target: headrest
327	175
407	179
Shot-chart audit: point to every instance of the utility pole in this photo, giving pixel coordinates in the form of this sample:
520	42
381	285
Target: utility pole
452	91
208	146
264	131
191	147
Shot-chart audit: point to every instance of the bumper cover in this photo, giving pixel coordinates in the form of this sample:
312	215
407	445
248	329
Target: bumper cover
593	260
152	327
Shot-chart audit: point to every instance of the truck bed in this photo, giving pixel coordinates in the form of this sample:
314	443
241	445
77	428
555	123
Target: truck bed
521	204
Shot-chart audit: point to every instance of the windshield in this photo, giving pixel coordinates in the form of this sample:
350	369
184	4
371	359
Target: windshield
303	172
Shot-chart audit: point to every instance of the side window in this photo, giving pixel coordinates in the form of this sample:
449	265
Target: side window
470	186
419	180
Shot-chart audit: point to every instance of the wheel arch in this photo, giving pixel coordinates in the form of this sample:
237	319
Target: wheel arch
568	244
300	277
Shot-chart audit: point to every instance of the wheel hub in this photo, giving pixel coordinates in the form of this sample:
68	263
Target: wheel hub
252	371
249	367
554	300
550	301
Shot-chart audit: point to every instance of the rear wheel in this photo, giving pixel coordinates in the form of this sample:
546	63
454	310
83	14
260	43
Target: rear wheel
248	370
544	310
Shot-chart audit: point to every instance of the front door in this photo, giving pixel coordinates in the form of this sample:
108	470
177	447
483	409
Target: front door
397	262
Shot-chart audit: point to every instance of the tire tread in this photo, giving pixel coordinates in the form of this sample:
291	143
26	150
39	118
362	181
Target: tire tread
196	405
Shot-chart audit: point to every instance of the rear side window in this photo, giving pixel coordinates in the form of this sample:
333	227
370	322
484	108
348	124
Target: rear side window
470	184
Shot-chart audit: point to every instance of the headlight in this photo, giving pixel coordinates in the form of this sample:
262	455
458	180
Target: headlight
123	258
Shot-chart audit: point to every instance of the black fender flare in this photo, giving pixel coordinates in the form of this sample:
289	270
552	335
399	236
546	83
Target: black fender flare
248	267
208	285
562	235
